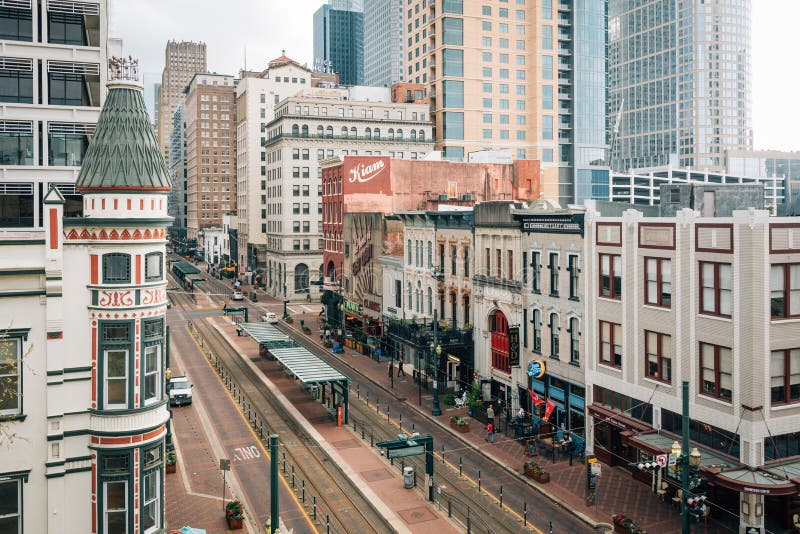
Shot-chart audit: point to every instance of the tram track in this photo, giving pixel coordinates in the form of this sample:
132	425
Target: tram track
337	497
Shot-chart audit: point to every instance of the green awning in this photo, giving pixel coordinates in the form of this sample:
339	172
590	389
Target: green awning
308	368
185	268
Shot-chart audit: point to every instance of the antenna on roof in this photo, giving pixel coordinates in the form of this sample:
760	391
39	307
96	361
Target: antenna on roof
245	58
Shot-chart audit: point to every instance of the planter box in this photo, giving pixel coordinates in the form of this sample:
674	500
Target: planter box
234	524
171	468
460	428
528	471
542	478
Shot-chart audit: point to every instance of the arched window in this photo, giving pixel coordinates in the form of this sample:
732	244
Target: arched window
413	135
320	131
353	132
453	309
391	134
304	131
498	326
344	131
465	305
409	252
368	133
430	301
574	340
410	298
430	255
376	133
536	319
331	271
554	328
399	135
421	136
295	130
329	131
116	268
419	297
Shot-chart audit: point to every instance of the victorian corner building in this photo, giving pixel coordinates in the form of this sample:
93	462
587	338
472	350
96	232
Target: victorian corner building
84	414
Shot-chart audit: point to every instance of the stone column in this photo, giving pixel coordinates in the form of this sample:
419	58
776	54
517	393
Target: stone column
751	512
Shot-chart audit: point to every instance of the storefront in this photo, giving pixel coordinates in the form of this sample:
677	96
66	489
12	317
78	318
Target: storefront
569	401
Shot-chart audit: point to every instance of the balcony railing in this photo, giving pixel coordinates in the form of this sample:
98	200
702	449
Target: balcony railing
420	334
512	285
384	139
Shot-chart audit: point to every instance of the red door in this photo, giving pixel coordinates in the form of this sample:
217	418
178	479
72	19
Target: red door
499	328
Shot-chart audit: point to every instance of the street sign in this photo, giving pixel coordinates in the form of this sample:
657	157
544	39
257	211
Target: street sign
407	451
596	468
661	460
673	460
513	346
224	464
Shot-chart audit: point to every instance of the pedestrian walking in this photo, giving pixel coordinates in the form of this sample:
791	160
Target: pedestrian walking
391	369
400	371
489	433
321	334
490	414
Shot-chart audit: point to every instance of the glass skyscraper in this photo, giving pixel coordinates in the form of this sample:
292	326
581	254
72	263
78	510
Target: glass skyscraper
679	82
339	40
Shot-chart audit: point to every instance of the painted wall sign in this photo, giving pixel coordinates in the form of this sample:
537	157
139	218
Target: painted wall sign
365	174
537	369
553	224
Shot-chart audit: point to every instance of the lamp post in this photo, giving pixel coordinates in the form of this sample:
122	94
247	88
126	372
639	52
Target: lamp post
285	302
437	349
687	460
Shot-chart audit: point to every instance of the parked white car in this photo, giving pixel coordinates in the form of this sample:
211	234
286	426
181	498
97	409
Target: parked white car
180	391
237	295
269	317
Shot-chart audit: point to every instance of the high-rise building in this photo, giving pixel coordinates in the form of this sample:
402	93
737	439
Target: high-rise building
679	81
177	170
182	60
156	96
210	151
526	77
53	66
339	40
383	42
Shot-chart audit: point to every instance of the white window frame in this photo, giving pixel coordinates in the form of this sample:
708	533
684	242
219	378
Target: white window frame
156	373
3	377
155	500
105	503
106	403
154	273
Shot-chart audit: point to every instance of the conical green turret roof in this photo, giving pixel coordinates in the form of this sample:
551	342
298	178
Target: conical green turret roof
124	153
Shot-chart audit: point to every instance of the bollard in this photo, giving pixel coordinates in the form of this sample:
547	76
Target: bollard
370	439
327	524
479	480
525	514
449	508
387	414
354	425
501	496
303	491
459	466
469	530
378	406
442	452
314	507
401	422
358	391
367	398
362	431
551	527
412	427
292	477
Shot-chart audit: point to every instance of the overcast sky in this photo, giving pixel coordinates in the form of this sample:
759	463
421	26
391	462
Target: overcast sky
265	27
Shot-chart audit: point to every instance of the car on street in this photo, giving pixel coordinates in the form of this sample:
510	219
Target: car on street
237	295
179	390
269	317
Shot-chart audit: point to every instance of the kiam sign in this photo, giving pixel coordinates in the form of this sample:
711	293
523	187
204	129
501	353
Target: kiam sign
365	174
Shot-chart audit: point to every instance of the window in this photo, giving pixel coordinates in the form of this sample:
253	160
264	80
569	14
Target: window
398	293
716	371
547	37
66	28
535	271
453	125
16	81
453	61
488	262
610	344
536	321
453	31
785	376
115	506
547	126
547	67
10	378
574	268
151	500
715	283
16	24
153	341
553	266
410	297
499	262
73	89
658	282
409	252
16	148
784	290
510	255
547	97
68	144
554	328
11	509
610	276
116	342
116	268
466	262
658	356
453	258
574	341
453	96
153	265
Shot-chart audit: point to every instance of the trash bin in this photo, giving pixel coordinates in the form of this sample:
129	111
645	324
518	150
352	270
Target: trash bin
408	477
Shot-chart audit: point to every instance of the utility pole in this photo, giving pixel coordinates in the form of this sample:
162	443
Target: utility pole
274	522
435	351
685	463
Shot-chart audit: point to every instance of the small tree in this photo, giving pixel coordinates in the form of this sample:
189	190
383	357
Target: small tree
12	361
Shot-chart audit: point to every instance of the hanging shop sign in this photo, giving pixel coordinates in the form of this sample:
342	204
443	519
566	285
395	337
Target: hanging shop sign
551	224
536	369
349	305
513	346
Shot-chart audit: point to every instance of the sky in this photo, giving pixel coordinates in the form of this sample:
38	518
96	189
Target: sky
259	30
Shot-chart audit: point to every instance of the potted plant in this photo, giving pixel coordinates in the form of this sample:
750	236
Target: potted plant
172	462
529	468
459	423
234	514
539	474
449	399
468	327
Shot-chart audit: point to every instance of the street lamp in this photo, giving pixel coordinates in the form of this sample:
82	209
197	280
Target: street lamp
688	462
285	301
437	349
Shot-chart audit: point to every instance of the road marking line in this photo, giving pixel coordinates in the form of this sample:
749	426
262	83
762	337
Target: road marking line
252	431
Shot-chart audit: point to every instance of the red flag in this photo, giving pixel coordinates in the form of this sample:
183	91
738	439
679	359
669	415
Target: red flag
548	409
536	399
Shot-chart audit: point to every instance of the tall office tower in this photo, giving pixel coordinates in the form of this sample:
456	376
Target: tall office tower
210	151
182	60
53	60
383	42
177	170
679	71
527	77
339	40
156	96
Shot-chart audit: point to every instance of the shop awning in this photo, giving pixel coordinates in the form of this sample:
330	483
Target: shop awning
656	443
306	367
756	481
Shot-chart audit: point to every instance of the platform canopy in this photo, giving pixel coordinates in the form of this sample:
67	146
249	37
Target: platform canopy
267	335
308	368
185	268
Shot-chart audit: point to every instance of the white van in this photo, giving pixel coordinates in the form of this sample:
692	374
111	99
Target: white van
269	317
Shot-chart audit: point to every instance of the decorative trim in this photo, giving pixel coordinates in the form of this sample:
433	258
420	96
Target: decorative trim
698	248
85	369
782	225
16	475
643	226
14	417
55	437
106	413
79	379
16	272
93	222
604	243
33	293
78	470
15	332
4	242
55	335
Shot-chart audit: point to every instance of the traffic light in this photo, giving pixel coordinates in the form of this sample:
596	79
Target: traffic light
696	505
644	466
